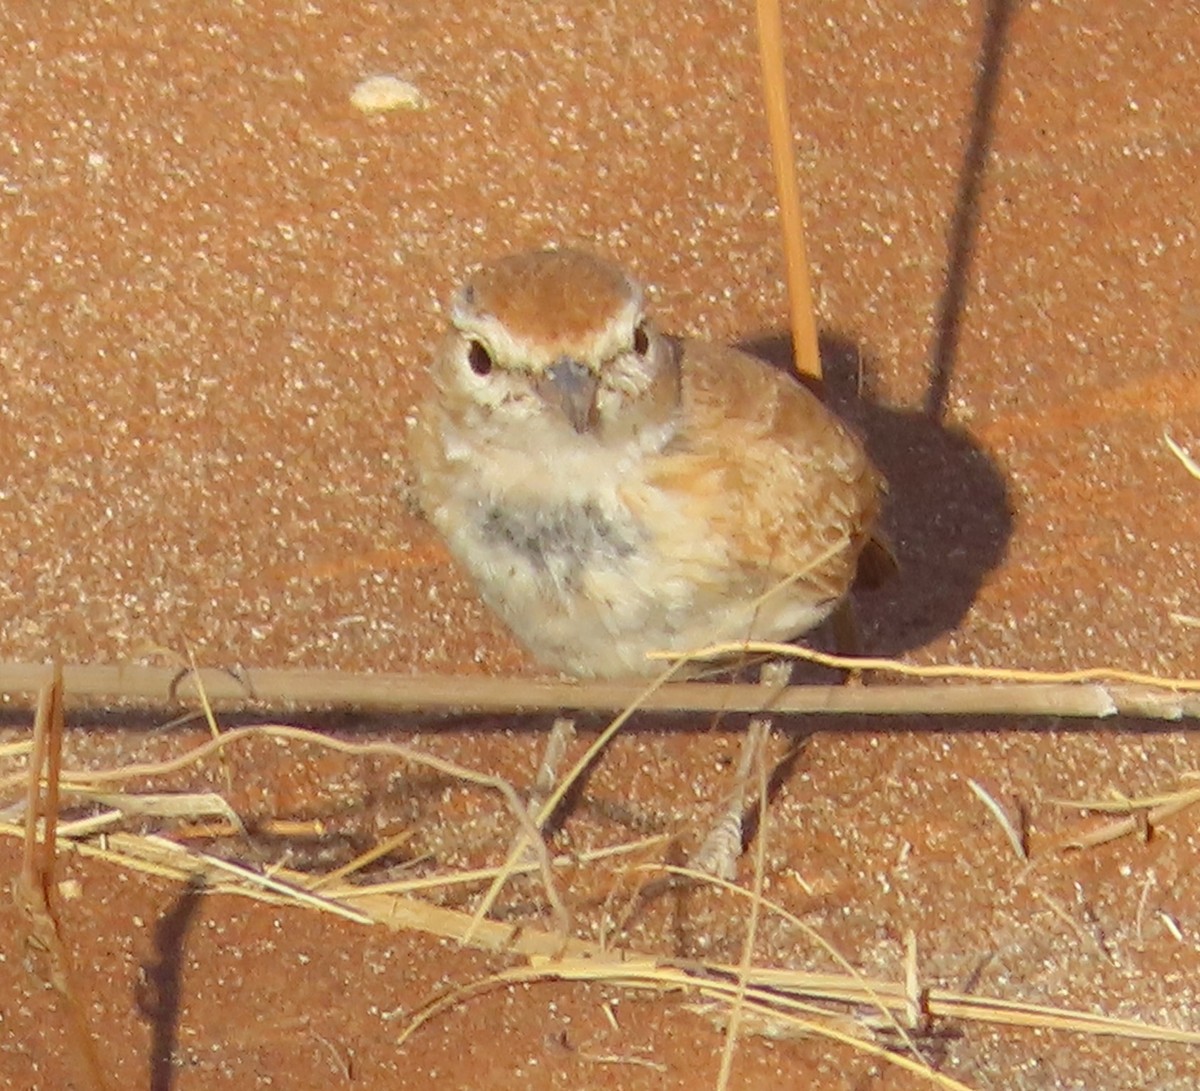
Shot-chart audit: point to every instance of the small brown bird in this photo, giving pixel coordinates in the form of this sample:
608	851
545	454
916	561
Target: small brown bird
614	491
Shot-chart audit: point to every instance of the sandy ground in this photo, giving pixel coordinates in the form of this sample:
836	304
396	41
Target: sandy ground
221	284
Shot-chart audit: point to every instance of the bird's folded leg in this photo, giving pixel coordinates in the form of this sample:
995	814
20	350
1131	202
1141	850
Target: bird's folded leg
847	640
562	734
721	849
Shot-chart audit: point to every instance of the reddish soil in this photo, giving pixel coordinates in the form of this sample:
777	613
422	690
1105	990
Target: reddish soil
222	281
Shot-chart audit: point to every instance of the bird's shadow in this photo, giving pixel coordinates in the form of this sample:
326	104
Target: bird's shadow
947	513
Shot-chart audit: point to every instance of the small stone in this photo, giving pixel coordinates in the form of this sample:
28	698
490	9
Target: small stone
377	94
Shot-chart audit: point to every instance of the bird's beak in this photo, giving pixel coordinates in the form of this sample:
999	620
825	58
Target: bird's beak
570	386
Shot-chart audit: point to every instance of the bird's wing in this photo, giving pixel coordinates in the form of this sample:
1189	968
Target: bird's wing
787	485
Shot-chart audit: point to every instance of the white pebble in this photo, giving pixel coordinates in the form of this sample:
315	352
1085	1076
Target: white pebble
378	93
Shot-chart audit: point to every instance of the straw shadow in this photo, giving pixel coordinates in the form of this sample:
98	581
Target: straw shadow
159	993
964	225
947	511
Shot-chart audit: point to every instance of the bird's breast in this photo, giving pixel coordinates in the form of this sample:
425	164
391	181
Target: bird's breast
560	542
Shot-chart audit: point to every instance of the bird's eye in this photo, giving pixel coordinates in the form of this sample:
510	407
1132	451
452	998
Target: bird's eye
641	340
479	358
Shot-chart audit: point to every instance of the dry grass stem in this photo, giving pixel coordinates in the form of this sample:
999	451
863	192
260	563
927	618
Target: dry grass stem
1144	897
829	1005
1171	925
1059	910
164	804
209	716
85	779
555	798
1001	816
35	886
805	347
880	996
387	904
770	1006
1141	815
365	859
913	994
1189	463
19	749
550	955
612	1058
942	671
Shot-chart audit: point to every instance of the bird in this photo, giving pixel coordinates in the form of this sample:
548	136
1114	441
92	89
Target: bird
615	491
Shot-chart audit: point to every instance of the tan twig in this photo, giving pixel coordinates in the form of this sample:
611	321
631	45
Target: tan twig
805	347
36	883
1111	692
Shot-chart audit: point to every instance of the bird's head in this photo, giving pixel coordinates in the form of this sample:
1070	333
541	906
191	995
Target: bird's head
555	346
